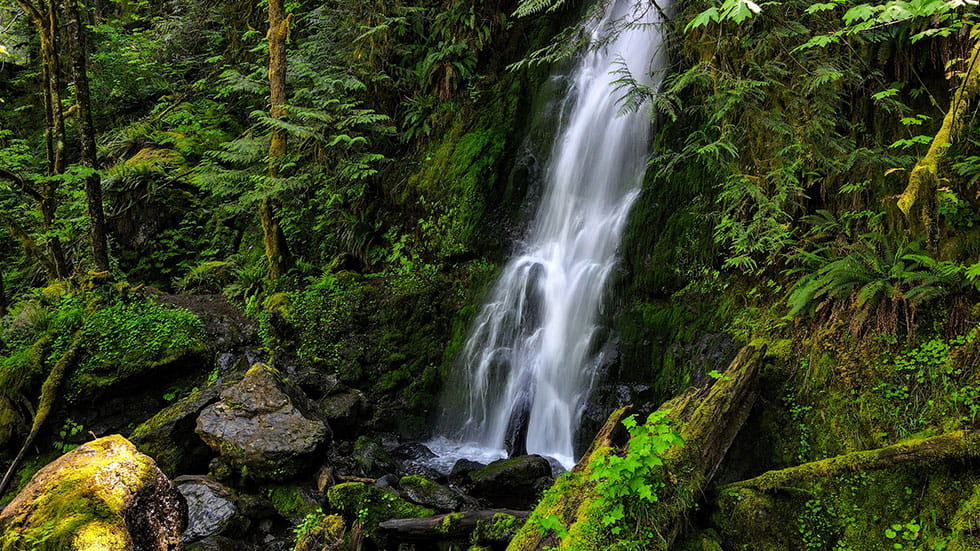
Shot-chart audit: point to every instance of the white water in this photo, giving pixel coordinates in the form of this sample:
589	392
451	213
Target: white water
531	345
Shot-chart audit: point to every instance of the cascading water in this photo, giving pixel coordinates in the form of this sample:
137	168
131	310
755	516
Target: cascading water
530	355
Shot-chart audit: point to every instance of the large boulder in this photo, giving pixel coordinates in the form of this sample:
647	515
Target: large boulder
263	425
516	482
102	496
169	437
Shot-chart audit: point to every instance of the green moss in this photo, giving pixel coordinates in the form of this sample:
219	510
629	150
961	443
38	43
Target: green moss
76	508
449	523
291	502
371	505
501	527
127	339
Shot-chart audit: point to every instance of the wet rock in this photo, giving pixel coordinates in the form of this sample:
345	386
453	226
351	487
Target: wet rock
431	494
220	543
460	474
371	458
262	425
102	495
412	451
168	436
344	410
411	468
513	482
387	481
211	508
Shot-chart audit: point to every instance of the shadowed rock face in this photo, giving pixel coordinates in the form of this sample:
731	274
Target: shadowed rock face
263	425
102	495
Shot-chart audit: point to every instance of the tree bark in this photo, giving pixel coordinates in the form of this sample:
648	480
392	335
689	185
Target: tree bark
923	186
86	132
708	419
961	444
433	529
44	15
50	391
276	248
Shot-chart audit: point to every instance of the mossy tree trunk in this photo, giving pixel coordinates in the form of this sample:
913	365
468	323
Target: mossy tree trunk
276	248
50	391
86	135
921	192
31	248
44	16
708	419
950	446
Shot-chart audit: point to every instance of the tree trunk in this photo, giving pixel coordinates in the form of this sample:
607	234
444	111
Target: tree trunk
921	191
708	419
961	444
3	297
50	391
44	15
276	248
86	132
458	527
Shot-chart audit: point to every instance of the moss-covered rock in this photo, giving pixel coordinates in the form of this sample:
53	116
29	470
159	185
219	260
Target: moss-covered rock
169	437
292	502
128	340
431	494
102	496
320	532
371	505
497	530
372	458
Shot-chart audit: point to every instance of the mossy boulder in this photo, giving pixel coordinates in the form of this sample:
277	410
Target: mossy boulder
497	530
321	533
431	494
372	505
263	426
169	436
344	410
104	495
128	342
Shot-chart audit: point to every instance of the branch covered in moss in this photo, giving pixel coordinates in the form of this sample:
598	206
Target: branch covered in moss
924	178
950	446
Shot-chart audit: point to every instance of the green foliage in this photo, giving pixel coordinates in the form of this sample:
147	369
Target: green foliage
627	483
880	283
125	339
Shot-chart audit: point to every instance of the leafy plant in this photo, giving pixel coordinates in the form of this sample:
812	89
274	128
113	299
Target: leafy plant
879	283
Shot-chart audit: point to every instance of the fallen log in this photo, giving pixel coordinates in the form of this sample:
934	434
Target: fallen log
442	527
961	444
708	419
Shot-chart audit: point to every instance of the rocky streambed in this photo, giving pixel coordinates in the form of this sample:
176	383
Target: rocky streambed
251	461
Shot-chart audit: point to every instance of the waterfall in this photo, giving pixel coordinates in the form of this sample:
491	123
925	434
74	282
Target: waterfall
529	361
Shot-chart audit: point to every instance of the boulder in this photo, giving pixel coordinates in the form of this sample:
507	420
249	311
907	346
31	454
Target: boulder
103	495
263	425
372	458
513	482
168	436
460	473
430	494
343	410
211	508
